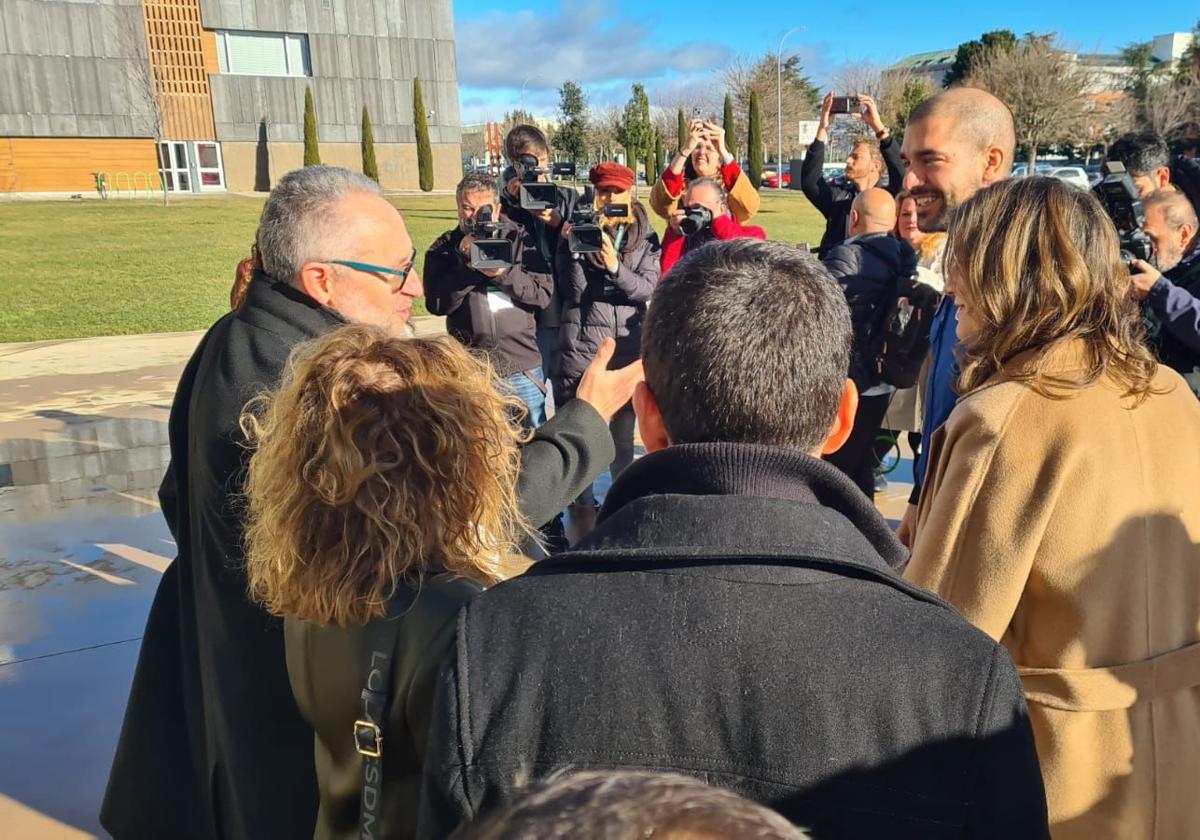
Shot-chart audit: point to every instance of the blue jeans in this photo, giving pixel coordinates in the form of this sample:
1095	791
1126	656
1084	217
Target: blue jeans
526	389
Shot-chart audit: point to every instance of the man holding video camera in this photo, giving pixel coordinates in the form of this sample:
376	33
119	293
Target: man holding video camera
703	216
530	200
490	278
864	166
1170	289
605	293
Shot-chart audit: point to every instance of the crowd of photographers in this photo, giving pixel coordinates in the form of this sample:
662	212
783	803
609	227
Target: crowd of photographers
378	627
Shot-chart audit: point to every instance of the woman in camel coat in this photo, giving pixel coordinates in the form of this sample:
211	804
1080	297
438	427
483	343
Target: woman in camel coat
1062	510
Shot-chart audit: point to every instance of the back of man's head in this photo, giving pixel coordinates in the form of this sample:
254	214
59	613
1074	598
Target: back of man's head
873	211
1141	152
630	805
747	342
301	221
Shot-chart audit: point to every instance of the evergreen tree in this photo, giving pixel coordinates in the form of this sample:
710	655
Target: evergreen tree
312	154
730	127
424	151
636	132
971	53
370	167
571	137
659	156
683	132
754	143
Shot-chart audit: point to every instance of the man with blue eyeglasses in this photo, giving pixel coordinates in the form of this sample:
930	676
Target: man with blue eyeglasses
495	309
213	745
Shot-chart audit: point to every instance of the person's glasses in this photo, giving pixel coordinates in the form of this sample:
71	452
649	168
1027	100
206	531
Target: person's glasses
394	277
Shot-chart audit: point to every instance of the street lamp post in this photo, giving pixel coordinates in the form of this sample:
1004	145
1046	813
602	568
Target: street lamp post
779	103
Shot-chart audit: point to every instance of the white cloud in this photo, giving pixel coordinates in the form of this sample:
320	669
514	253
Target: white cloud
583	40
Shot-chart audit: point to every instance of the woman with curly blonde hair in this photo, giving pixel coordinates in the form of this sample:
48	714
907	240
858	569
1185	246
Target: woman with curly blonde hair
380	497
1060	513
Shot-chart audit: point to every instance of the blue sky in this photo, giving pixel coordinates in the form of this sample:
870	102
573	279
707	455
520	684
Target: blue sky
673	45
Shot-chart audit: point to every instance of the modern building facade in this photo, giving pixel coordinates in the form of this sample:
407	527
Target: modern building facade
208	95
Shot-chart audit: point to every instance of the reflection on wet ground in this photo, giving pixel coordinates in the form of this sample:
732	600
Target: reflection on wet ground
83	446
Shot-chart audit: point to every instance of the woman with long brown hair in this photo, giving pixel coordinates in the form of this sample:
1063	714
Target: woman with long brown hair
1060	512
380	497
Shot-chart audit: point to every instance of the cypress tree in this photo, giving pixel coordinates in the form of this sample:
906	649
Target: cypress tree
730	127
369	166
424	151
754	144
659	157
312	154
683	132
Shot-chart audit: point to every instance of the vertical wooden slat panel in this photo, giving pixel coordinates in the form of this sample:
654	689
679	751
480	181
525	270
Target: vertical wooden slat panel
179	67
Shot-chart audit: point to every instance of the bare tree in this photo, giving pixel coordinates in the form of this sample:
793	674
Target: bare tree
896	91
801	100
1172	107
1044	87
1108	118
603	126
146	92
474	144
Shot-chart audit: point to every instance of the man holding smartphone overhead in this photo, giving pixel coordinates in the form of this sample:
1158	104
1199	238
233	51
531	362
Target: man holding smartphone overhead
865	164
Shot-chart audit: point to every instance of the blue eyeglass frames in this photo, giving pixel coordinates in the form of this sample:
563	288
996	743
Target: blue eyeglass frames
395	278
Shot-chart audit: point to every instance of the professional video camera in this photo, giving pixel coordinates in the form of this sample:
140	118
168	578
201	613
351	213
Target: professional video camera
490	249
585	235
534	194
695	219
1119	196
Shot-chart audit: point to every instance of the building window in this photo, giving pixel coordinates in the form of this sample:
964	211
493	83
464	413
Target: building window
263	54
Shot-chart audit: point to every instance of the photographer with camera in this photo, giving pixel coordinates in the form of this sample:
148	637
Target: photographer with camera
1170	288
865	164
528	154
704	217
704	156
490	279
604	295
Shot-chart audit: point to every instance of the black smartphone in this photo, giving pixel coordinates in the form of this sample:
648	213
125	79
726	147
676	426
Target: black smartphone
846	105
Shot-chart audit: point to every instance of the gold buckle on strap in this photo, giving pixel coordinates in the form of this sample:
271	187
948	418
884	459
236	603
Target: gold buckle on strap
368	739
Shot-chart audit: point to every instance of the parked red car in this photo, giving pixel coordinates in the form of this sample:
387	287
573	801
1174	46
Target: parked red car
771	178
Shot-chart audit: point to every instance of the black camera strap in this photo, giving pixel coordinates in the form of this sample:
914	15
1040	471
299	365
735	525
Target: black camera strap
380	636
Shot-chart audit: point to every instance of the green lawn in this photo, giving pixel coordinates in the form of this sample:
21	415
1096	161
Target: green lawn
82	268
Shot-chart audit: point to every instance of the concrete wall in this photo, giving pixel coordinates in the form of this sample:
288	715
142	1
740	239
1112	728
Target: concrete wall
72	68
361	52
397	163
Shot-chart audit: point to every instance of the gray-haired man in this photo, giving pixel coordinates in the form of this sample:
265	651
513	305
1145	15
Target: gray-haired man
213	745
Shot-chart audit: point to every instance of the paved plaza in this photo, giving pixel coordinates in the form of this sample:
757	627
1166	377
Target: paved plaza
83	446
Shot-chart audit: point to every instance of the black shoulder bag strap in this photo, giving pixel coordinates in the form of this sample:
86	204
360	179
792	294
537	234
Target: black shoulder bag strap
380	636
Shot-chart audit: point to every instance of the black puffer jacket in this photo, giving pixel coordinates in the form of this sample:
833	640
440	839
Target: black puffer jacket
597	304
454	289
869	268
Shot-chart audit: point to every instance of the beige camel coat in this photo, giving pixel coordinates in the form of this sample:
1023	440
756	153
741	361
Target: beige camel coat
1069	530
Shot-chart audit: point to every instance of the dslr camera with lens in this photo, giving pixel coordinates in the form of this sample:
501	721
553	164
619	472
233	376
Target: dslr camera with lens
534	194
1119	196
695	219
490	249
586	237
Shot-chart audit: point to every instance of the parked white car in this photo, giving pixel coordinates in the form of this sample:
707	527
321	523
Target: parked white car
1073	175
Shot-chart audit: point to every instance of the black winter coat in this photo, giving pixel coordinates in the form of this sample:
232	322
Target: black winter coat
212	744
870	269
454	289
598	305
547	238
734	617
833	198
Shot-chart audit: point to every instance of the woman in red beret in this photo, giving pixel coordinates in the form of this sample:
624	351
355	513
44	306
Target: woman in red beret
605	295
